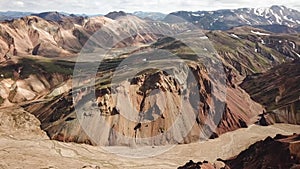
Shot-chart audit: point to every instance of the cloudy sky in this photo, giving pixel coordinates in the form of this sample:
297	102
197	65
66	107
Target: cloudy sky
165	6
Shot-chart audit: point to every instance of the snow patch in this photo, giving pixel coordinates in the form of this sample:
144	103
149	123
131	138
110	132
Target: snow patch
293	45
203	37
195	14
234	36
262	11
289	19
270	22
277	17
242	17
260	33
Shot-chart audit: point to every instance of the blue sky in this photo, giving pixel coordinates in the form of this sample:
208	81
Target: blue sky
165	6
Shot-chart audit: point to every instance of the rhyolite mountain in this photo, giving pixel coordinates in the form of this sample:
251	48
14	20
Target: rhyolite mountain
150	90
228	18
34	76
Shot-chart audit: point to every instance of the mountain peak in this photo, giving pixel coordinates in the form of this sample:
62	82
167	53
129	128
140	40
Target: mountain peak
52	15
115	14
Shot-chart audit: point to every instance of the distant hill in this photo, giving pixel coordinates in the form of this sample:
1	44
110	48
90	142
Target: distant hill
9	15
150	15
115	14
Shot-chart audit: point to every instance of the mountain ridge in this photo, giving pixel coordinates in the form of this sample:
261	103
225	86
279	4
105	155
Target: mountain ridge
227	18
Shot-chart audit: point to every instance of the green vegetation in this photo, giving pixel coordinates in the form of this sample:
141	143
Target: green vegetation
31	66
1	100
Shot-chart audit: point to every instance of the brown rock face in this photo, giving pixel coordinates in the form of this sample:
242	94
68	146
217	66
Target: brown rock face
153	108
15	122
276	90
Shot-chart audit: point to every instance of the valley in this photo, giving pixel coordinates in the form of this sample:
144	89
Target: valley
101	91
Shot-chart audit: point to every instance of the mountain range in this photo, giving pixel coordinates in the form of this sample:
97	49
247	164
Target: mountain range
211	20
226	19
229	79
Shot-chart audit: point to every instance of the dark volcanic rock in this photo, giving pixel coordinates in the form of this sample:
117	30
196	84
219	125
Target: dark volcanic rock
262	121
115	14
278	152
191	165
272	153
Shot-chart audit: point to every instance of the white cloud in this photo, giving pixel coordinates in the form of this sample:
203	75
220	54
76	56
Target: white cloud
166	6
18	3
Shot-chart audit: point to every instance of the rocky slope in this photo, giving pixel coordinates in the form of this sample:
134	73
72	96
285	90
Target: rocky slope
164	108
30	79
277	90
226	19
249	50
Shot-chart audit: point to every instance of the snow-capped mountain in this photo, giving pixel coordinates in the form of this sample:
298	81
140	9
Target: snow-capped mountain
227	18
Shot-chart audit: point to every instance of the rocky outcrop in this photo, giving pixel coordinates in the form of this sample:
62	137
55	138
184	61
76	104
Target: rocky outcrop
204	165
17	123
278	152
